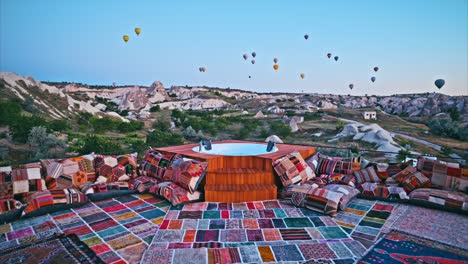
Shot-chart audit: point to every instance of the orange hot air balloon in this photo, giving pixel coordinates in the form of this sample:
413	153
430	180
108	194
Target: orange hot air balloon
138	31
126	38
276	67
302	75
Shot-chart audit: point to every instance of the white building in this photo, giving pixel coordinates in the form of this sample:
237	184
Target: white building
369	115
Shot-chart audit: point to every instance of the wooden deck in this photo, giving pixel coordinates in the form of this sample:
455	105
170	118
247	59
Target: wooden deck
239	178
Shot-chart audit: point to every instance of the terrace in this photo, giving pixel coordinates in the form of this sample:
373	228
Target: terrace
240	212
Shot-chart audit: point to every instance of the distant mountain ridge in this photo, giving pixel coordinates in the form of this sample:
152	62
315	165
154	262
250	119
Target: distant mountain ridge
64	100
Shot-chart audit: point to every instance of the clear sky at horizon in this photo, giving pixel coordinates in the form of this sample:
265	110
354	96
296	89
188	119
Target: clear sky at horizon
413	42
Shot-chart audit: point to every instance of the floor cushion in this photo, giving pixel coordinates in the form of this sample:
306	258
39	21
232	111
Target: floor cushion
187	173
347	166
373	189
314	198
8	205
414	181
143	183
115	168
403	174
349	193
326	165
366	175
342	179
47	199
292	169
78	169
174	194
17	181
454	200
154	164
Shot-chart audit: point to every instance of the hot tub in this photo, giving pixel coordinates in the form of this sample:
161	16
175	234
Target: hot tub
236	149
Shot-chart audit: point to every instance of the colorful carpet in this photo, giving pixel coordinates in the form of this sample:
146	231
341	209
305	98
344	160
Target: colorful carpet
265	231
117	230
399	247
363	220
145	229
57	249
434	225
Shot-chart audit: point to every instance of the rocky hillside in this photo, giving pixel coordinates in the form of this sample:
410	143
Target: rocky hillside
62	100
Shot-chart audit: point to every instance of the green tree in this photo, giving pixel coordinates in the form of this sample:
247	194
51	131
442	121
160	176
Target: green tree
454	114
41	142
403	154
9	111
104	124
339	125
160	138
155	108
161	124
21	127
58	125
97	144
446	150
281	129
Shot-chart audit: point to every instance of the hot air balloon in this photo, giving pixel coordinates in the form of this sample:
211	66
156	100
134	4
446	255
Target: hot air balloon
306	37
276	67
126	38
138	31
439	83
376	69
252	61
254	54
245	56
302	75
329	55
372	79
250	76
351	86
336	58
275	60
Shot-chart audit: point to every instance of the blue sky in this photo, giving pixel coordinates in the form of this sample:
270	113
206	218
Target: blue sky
413	42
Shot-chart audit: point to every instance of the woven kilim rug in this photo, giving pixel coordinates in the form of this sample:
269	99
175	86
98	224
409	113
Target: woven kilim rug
263	231
449	228
57	249
118	230
399	247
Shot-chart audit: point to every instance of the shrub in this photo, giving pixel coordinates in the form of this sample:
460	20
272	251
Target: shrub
155	108
160	138
9	111
58	125
101	145
21	127
280	129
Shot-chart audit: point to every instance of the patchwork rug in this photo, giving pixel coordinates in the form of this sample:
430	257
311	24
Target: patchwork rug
117	230
399	247
263	231
363	220
58	249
